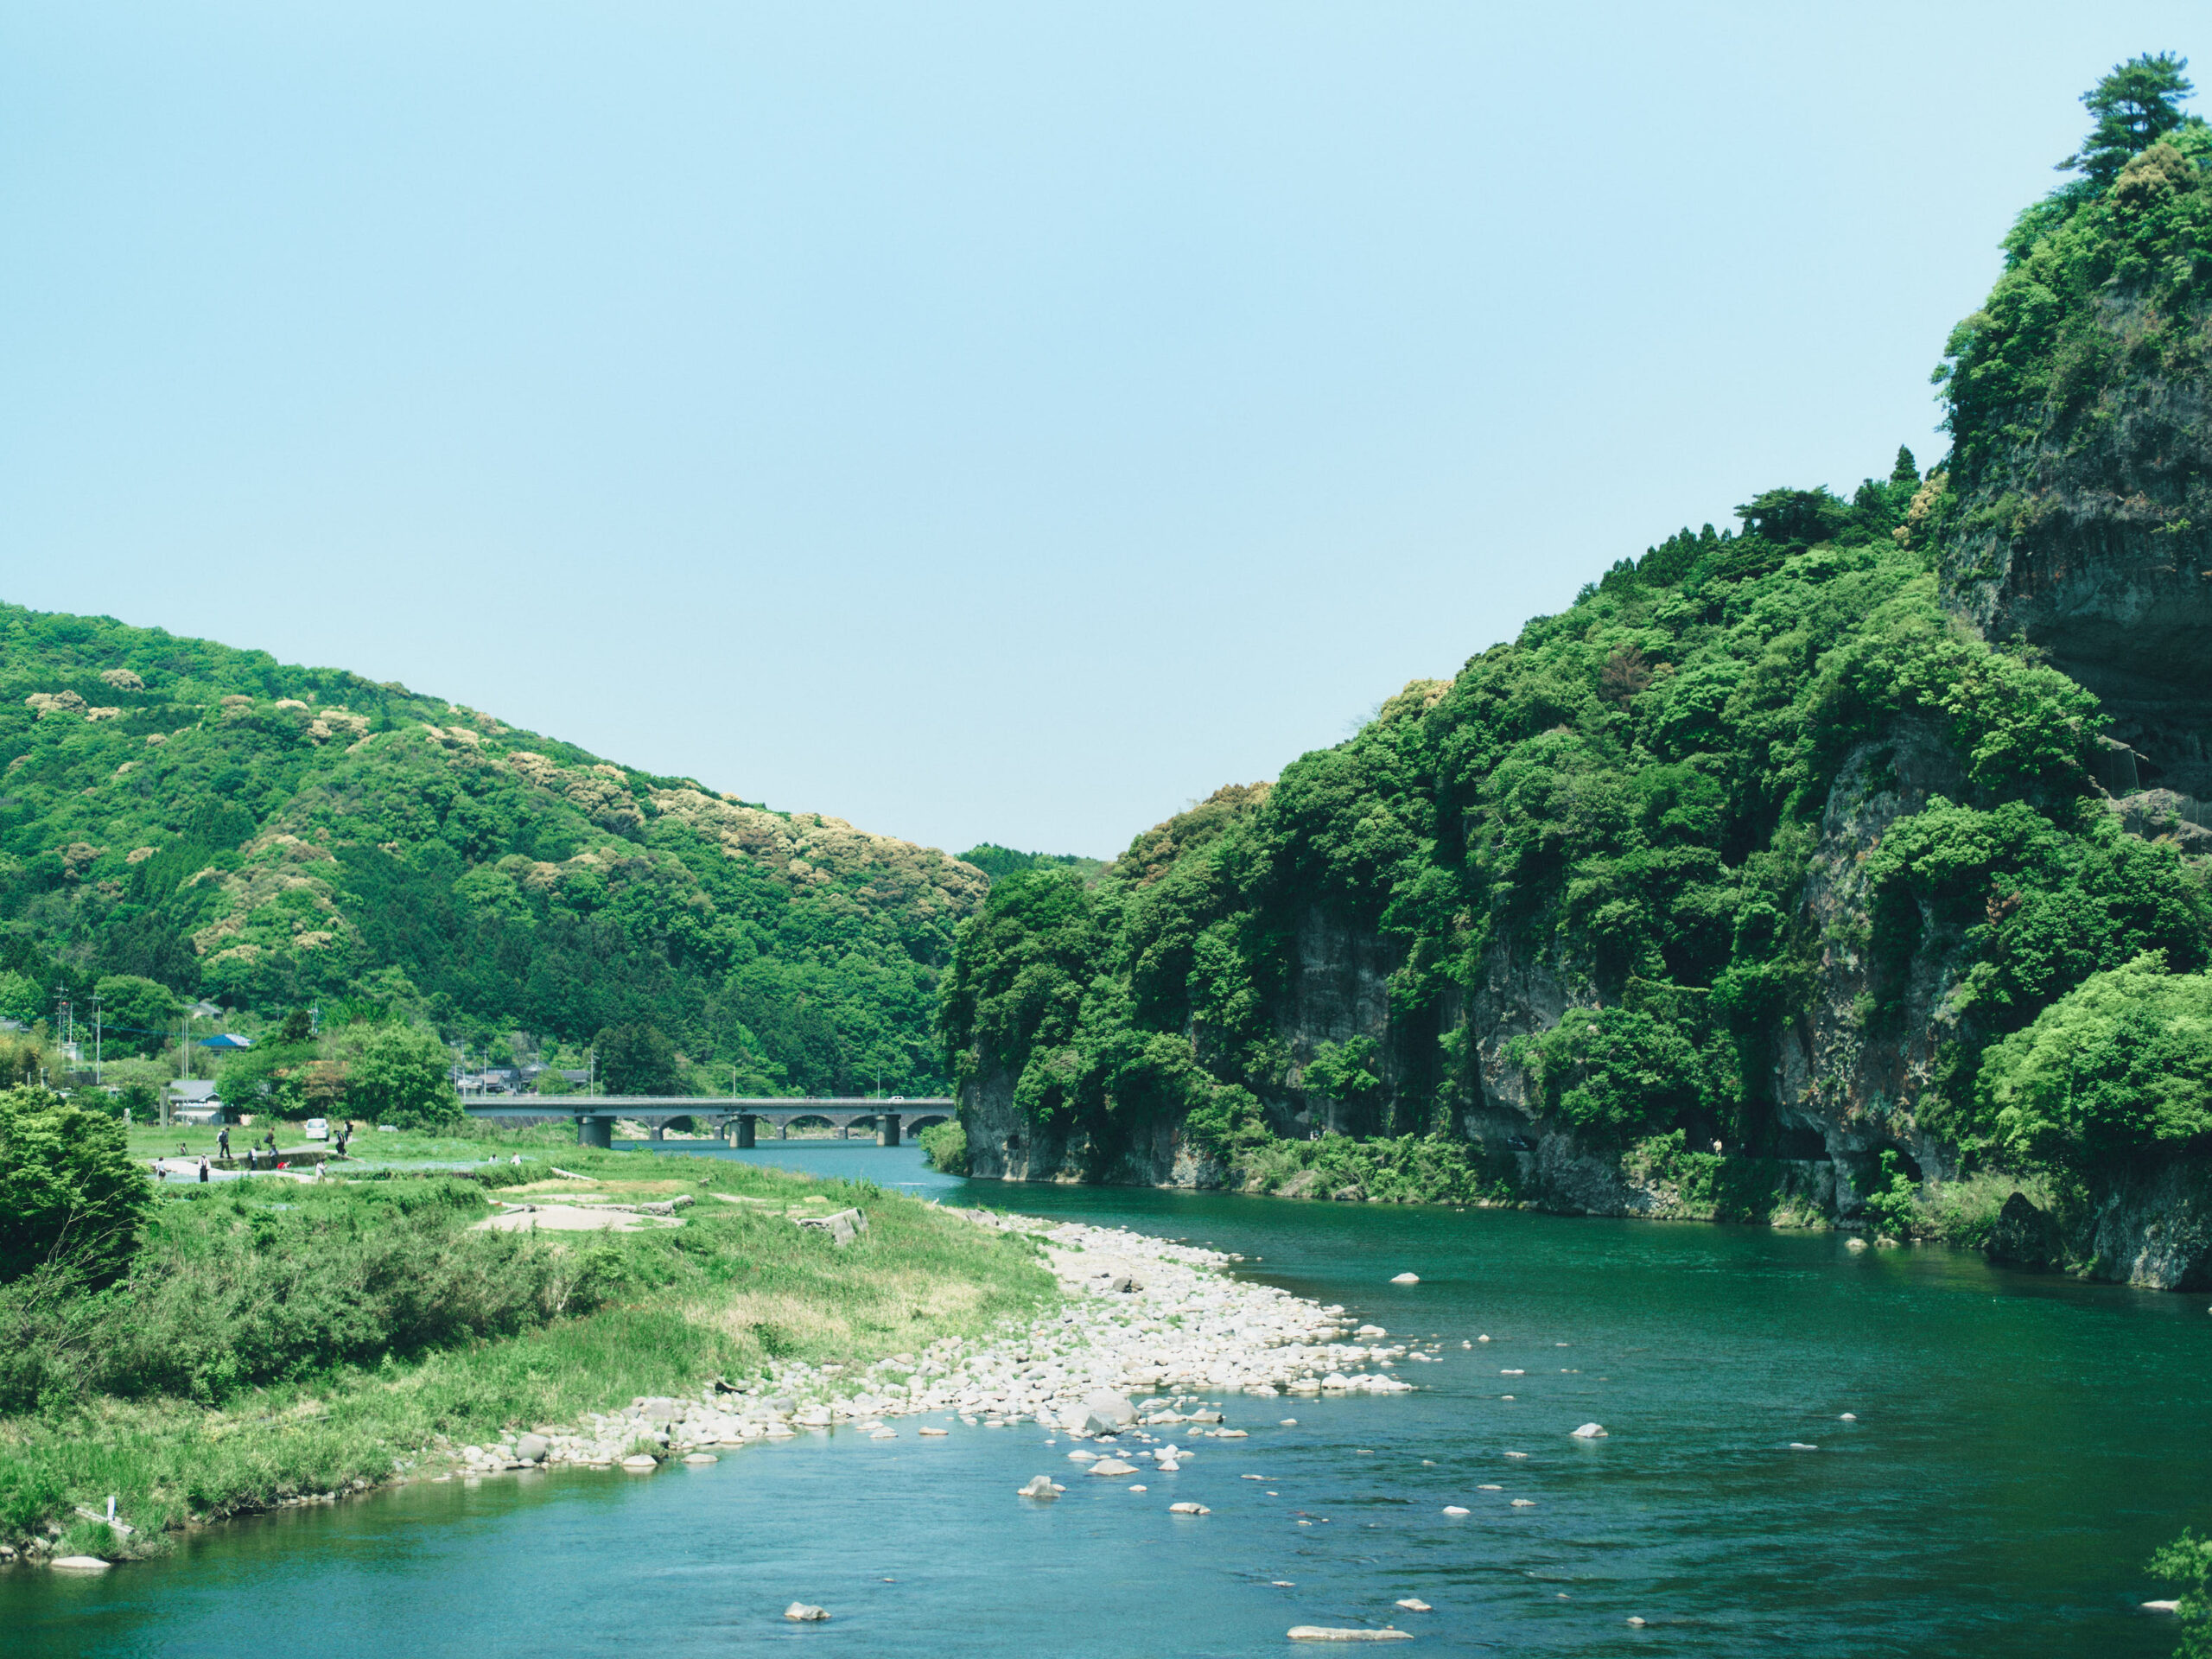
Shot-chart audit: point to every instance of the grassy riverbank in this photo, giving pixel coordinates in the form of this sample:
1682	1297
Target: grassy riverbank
277	1338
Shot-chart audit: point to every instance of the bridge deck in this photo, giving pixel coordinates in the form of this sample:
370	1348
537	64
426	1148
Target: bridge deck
645	1107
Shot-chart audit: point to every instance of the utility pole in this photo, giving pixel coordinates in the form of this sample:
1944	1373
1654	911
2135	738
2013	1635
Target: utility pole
96	1040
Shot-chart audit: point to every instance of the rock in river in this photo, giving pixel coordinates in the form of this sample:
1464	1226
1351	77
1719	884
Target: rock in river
1041	1486
1331	1633
1589	1432
803	1613
1405	1278
1113	1466
80	1564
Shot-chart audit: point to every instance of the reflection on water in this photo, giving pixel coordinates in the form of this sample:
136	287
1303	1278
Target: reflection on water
2022	1444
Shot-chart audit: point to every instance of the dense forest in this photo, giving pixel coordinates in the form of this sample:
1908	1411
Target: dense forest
179	819
1784	839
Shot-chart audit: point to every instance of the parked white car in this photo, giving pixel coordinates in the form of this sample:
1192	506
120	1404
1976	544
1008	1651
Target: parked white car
318	1128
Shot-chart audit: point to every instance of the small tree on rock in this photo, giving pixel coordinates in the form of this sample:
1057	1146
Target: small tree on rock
2135	105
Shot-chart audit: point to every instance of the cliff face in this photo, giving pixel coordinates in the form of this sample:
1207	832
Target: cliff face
1711	894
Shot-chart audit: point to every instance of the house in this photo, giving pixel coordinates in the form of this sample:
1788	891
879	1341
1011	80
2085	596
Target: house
226	1043
192	1101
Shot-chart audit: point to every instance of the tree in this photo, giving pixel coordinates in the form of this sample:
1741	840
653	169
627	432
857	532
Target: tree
400	1075
2186	1563
636	1059
1795	518
1907	470
1345	1071
136	1015
2135	107
2119	1066
20	997
298	1026
70	1194
551	1082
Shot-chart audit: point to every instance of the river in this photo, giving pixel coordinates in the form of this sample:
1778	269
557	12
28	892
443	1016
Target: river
2023	1443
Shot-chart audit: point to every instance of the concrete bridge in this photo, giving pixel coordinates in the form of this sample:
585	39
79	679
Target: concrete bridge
735	1118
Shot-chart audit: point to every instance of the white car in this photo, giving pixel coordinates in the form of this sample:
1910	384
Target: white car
318	1128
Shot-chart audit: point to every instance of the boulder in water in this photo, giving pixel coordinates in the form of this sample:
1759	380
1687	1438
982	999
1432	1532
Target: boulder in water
801	1612
1405	1278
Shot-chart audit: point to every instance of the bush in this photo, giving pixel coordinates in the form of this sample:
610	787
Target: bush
71	1199
2186	1563
944	1146
2120	1067
399	1075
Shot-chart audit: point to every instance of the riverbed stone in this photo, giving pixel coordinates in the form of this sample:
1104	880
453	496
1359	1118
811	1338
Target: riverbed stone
531	1448
805	1613
80	1564
1339	1633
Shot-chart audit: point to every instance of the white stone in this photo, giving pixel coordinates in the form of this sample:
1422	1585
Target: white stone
1040	1486
800	1613
1525	1503
1415	1605
638	1463
1330	1633
1112	1466
702	1457
80	1564
1453	1508
1188	1509
1589	1432
1405	1278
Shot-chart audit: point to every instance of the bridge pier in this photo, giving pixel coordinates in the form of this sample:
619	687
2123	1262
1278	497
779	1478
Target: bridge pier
656	1129
595	1132
845	1130
745	1131
887	1129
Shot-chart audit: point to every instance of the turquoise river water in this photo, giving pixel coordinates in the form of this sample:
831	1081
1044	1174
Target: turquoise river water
2023	1444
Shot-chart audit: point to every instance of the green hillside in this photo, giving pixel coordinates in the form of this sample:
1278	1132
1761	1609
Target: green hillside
272	836
1781	840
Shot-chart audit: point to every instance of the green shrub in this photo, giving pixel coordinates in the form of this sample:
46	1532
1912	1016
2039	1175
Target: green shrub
2186	1563
2118	1067
944	1146
402	1075
71	1198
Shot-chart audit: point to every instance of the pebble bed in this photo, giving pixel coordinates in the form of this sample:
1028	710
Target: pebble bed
1143	1317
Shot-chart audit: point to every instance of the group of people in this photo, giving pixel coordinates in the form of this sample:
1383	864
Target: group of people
261	1154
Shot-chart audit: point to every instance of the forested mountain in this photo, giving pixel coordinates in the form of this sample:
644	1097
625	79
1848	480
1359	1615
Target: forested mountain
1794	864
272	836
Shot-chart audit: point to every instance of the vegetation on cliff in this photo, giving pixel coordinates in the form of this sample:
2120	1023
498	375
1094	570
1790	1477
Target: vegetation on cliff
179	819
1624	804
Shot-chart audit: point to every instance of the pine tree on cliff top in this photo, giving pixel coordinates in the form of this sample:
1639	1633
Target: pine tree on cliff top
2135	106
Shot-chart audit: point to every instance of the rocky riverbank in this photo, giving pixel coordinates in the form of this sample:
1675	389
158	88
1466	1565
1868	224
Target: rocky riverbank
1142	1317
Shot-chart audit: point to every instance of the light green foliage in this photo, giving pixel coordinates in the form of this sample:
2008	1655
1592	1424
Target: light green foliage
998	863
20	997
1615	1073
2186	1565
272	836
351	1323
71	1199
1345	1071
2119	1067
1889	1204
398	1074
2039	354
1631	787
944	1146
137	1014
2136	105
1628	796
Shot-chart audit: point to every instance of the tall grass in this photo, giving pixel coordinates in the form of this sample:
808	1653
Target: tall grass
278	1339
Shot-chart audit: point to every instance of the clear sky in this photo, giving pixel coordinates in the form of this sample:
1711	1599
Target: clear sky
980	422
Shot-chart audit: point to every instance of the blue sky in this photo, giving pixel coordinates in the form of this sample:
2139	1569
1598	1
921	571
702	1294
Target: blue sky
979	422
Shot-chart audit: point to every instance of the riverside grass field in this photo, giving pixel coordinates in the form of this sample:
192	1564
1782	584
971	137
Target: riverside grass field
279	1339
